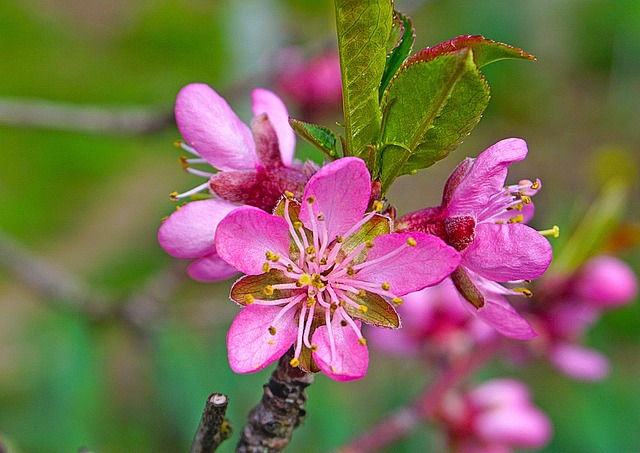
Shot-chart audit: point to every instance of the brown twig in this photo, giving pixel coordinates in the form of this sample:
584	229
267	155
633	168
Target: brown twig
214	427
281	410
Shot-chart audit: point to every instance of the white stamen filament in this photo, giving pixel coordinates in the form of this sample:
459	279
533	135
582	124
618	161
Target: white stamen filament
193	191
195	171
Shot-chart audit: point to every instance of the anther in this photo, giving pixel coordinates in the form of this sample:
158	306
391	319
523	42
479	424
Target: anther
535	185
517	219
377	206
344	323
339	239
297	224
248	298
272	330
350	271
524	291
305	279
311	199
265	268
323	261
268	290
288	194
362	293
411	242
173	196
184	163
333	307
314	348
363	308
362	341
294	362
369	244
526	199
397	301
310	301
553	231
310	250
320	217
385	286
289	267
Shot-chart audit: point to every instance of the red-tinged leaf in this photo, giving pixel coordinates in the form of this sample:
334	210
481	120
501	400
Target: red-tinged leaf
253	287
376	226
378	311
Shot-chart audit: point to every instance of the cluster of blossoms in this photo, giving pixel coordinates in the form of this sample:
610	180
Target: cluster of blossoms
319	256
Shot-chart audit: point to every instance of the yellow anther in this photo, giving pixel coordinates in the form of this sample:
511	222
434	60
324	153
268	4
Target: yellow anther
344	323
173	196
323	261
397	301
386	286
411	242
363	308
553	231
178	143
517	219
333	307
312	259
265	267
268	290
272	330
311	301
268	255
535	185
183	162
271	342
339	239
310	250
289	267
518	207
311	199
320	217
343	303
369	244
248	299
377	206
362	341
314	347
288	194
297	224
305	279
332	368
350	271
275	258
362	293
524	291
526	199
294	362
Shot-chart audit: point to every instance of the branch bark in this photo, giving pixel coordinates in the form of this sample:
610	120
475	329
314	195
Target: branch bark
214	427
281	410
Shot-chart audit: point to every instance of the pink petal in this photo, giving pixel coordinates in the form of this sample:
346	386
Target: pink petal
246	234
189	232
500	392
500	315
264	101
485	178
507	252
351	358
210	269
251	346
341	190
427	263
578	362
607	281
517	426
208	124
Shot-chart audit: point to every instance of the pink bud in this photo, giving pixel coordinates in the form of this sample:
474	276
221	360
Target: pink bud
607	281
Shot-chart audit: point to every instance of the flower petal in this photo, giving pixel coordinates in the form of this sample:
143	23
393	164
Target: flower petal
507	252
210	269
208	124
607	281
484	178
524	426
500	392
351	358
341	190
189	232
578	362
427	263
500	315
251	346
246	234
264	101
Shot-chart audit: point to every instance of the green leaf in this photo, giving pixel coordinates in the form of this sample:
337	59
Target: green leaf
436	103
403	36
378	311
363	28
319	136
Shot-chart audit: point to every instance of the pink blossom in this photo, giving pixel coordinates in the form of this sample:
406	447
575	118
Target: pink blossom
483	220
315	270
256	167
496	416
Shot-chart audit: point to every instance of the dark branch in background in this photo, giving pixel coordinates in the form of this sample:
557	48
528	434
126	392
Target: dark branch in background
139	309
214	428
84	118
281	410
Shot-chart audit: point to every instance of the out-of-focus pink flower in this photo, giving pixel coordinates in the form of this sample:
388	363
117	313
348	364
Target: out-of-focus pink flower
256	166
483	220
434	322
496	416
315	270
313	84
564	309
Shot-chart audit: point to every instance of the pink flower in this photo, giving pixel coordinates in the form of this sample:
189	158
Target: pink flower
256	167
482	219
496	416
565	308
316	270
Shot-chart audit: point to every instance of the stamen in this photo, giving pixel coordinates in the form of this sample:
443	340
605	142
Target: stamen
288	194
385	286
396	301
182	145
268	290
295	363
248	298
176	196
523	291
553	231
194	171
362	341
377	206
311	199
272	330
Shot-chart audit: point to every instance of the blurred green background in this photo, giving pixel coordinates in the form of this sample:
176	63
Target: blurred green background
89	204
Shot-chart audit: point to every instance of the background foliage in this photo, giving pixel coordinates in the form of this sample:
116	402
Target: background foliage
91	203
